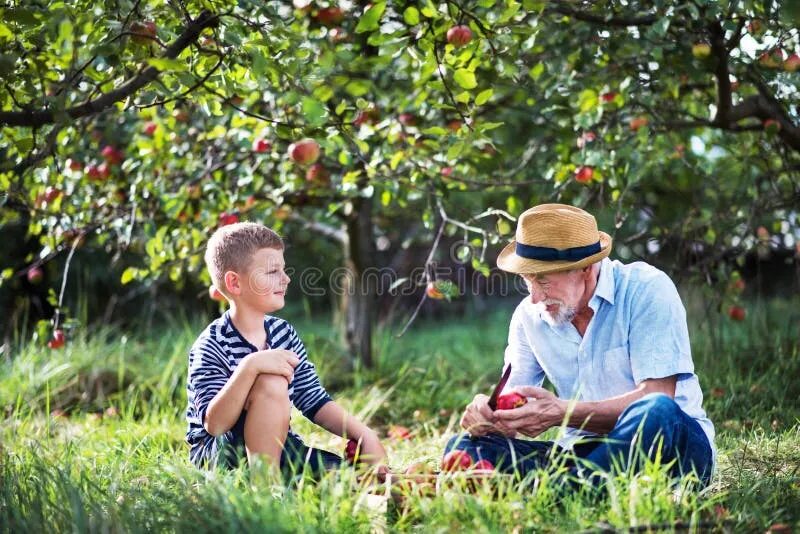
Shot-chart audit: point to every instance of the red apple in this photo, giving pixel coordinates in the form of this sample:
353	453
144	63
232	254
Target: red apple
352	452
792	63
318	174
51	193
454	125
104	170
304	152
215	294
771	126
92	172
638	122
456	461
583	174
74	165
447	171
144	31
585	138
150	128
58	340
112	155
483	465
261	145
433	292
737	313
35	275
459	36
399	432
330	16
771	59
180	115
608	97
337	35
509	401
228	218
407	119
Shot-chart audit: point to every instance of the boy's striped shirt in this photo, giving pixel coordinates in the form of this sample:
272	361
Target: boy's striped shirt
212	360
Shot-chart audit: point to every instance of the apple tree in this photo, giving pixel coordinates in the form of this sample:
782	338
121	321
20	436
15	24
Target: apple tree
143	125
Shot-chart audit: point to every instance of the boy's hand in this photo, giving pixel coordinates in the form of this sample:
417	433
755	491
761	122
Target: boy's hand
273	362
373	452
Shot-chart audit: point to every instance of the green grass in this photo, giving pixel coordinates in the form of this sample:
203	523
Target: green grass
127	470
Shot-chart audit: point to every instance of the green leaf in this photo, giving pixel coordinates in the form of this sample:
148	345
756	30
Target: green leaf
370	21
167	64
465	79
129	275
483	97
411	16
536	71
314	111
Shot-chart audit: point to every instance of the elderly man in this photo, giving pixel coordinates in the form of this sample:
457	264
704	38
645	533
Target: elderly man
612	339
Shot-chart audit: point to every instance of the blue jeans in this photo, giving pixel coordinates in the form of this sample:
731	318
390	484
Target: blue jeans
652	421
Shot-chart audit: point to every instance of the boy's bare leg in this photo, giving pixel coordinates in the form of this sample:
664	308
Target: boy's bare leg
267	420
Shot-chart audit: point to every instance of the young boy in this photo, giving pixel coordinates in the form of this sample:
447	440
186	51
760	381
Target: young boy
247	369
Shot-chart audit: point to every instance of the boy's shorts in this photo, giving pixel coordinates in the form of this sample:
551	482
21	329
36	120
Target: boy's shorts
295	458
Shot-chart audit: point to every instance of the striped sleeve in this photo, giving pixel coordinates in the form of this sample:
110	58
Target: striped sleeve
308	395
208	373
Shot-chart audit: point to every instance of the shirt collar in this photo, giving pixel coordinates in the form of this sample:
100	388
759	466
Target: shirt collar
605	285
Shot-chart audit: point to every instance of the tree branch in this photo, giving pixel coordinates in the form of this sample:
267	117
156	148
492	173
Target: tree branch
206	19
563	8
720	54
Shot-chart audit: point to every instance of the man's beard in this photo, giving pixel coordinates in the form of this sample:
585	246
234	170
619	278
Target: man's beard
565	314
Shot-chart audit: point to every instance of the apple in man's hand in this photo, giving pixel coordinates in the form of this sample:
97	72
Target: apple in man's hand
509	401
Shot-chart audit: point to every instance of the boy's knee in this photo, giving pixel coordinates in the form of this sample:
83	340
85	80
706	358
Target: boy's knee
269	387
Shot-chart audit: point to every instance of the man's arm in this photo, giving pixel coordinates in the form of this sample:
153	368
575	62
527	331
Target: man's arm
336	420
545	410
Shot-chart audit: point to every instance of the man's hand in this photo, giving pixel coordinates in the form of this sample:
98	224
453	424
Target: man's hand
544	410
273	362
477	418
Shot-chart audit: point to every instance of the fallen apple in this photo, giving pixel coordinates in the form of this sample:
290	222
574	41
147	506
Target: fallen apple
509	401
399	432
483	465
456	461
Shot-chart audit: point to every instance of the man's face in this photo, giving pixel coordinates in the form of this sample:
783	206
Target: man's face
556	295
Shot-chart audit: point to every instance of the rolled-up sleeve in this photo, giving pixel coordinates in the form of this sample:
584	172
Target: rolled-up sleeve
658	335
308	395
525	368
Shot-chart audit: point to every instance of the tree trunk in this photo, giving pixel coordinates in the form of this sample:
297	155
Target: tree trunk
358	301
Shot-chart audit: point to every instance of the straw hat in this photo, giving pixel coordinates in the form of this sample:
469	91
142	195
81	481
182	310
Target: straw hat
552	238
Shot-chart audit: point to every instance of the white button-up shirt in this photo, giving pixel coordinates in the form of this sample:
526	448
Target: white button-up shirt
638	332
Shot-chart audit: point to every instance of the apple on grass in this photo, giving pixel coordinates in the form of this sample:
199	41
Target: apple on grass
483	465
456	461
352	452
399	432
737	313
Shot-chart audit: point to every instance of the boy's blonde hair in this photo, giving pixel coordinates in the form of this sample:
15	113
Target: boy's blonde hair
231	248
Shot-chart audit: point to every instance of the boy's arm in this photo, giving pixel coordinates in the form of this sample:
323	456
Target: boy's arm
227	405
335	419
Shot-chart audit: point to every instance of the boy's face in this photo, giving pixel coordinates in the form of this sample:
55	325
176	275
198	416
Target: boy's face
263	285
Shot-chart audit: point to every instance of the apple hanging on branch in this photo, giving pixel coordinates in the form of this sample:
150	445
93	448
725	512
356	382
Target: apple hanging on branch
459	36
441	290
304	152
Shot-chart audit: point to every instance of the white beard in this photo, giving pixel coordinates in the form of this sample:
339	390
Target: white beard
564	315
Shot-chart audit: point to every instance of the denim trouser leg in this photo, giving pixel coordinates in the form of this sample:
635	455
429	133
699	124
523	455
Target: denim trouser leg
658	416
651	422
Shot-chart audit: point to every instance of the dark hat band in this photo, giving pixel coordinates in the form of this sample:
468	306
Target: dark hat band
532	252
